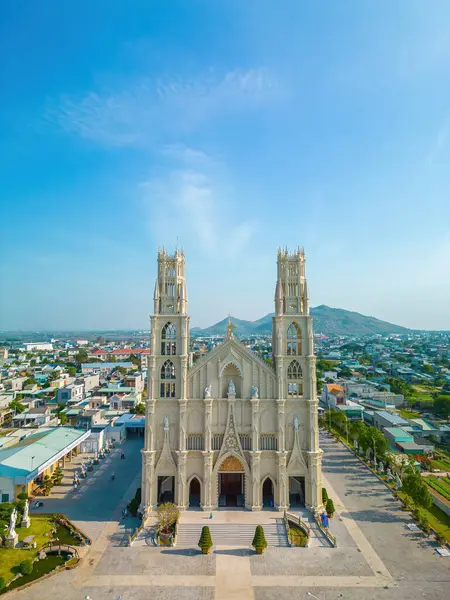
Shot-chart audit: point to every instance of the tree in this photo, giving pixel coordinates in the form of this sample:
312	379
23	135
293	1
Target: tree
205	542
47	485
16	406
168	515
345	372
414	486
135	360
29	381
398	386
121	370
63	418
427	368
71	370
356	429
324	495
138	408
329	507
81	356
441	406
134	505
259	540
57	476
26	567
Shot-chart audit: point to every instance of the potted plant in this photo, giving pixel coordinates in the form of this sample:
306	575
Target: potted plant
259	541
168	515
205	542
324	495
329	507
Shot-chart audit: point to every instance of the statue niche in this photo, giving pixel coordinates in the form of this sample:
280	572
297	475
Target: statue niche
231	377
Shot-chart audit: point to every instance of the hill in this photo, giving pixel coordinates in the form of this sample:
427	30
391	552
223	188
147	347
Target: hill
327	320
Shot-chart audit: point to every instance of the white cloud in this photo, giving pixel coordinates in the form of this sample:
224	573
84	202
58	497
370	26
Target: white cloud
195	203
142	109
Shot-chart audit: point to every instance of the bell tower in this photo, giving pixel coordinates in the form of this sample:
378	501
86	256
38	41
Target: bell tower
295	363
167	371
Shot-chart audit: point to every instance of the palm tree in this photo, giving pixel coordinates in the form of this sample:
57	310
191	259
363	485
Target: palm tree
16	406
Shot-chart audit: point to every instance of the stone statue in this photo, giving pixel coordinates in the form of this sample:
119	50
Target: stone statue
389	474
254	391
166	423
25	510
12	524
231	387
381	467
398	481
208	390
296	423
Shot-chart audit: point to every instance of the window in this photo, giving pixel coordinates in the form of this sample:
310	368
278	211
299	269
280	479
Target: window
294	340
268	441
168	340
5	497
167	373
294	372
168	370
194	441
246	441
217	441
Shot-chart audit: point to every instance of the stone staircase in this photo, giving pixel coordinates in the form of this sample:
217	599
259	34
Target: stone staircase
231	534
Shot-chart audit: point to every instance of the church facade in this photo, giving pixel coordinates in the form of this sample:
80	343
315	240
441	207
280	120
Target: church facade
231	430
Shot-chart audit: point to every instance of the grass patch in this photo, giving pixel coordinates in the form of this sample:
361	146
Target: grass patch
41	567
440	486
297	535
409	414
441	464
438	520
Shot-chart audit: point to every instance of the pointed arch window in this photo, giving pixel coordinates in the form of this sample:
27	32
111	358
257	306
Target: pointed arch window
294	340
295	381
168	340
167	377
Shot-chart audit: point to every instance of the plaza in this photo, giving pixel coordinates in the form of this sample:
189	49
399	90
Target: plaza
377	556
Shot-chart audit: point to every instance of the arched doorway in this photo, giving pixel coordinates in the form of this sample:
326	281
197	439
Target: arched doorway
231	483
296	491
268	499
194	493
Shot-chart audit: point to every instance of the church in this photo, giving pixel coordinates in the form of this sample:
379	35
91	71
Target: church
231	430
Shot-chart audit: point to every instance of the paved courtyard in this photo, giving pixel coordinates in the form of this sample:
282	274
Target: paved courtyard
377	556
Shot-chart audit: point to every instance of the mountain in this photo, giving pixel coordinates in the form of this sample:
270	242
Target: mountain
326	320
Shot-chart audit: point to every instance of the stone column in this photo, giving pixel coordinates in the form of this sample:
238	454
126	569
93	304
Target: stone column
181	487
313	491
183	425
208	415
149	483
256	480
149	442
207	481
255	424
281	426
283	482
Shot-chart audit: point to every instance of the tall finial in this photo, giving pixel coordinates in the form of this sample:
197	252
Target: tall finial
230	328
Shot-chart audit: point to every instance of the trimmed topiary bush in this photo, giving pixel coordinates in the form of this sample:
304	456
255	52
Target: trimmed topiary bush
138	495
134	505
324	495
259	540
329	507
205	542
26	567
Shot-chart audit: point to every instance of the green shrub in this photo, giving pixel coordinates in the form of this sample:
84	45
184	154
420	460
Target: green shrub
324	495
138	496
425	525
329	507
134	505
416	514
22	496
259	539
2	583
26	567
205	542
440	539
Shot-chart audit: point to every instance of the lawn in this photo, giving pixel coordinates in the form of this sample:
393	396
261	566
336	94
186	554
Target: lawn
409	414
40	568
297	535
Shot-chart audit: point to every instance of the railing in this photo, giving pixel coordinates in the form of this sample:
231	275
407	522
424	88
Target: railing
52	547
298	521
325	531
136	532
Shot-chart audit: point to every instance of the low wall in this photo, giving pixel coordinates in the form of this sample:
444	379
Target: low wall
440	503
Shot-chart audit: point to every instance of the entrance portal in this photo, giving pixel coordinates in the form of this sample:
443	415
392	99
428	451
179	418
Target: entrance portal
166	489
296	491
194	493
267	493
231	489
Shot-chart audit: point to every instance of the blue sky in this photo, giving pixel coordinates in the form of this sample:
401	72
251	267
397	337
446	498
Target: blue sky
234	127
